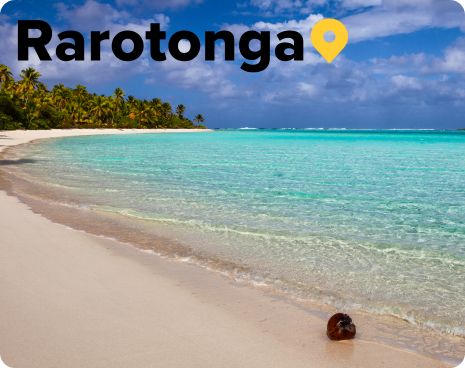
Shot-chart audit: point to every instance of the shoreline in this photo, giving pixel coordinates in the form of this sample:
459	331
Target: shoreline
252	313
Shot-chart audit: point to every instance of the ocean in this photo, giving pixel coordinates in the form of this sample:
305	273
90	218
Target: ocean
360	220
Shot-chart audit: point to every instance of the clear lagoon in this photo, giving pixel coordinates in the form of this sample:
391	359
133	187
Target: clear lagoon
369	220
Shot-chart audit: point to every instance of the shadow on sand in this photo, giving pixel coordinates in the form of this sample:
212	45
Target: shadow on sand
17	162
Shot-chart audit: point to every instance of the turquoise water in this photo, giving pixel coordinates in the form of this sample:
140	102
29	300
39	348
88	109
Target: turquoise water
362	220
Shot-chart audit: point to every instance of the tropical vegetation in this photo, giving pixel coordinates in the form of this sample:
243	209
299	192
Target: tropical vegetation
27	103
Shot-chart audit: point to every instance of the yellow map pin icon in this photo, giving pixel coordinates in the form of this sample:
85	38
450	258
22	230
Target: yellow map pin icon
329	50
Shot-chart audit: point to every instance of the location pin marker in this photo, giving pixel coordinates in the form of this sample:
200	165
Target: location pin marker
3	3
329	50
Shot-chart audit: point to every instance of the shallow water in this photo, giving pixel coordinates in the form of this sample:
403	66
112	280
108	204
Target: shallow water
373	221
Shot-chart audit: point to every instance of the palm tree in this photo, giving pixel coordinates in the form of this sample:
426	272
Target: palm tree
199	119
80	94
29	78
100	109
156	102
118	96
60	95
166	114
144	113
6	76
180	110
26	88
42	97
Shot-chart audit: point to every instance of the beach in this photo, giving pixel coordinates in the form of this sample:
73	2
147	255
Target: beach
72	299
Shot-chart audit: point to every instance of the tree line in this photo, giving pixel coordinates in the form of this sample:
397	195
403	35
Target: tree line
27	103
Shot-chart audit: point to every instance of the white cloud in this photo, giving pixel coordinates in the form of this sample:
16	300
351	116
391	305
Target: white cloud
373	18
96	16
307	89
158	4
403	82
197	75
280	7
382	23
354	4
394	17
90	15
453	60
302	26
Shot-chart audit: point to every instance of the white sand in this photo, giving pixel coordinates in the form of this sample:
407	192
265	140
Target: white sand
69	299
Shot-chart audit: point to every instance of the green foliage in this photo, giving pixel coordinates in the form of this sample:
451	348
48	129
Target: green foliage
28	104
10	115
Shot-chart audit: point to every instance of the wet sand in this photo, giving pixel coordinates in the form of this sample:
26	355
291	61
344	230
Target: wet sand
71	299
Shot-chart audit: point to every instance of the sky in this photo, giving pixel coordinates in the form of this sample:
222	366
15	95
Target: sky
404	66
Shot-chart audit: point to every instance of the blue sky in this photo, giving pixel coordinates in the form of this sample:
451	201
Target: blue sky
404	66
